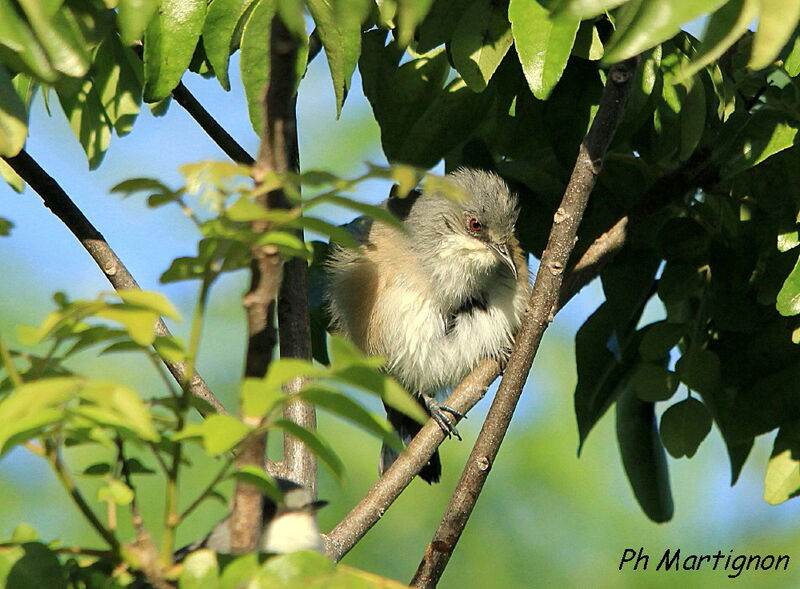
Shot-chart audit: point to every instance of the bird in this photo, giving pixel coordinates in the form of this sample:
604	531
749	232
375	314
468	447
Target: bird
288	526
435	296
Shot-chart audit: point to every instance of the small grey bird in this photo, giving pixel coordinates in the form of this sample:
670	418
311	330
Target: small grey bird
288	526
437	298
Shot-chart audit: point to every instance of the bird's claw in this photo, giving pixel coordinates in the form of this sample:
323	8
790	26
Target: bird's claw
438	413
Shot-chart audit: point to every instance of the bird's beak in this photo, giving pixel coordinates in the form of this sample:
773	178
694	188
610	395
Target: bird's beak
505	255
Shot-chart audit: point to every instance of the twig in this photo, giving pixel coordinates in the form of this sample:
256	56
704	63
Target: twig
538	316
278	149
51	454
93	241
210	125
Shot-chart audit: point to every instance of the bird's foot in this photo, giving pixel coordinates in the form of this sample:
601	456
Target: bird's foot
439	414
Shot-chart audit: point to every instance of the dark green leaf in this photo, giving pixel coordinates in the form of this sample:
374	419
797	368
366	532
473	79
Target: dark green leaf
36	566
699	369
87	117
659	338
766	133
255	55
643	456
684	426
314	443
169	43
653	382
18	40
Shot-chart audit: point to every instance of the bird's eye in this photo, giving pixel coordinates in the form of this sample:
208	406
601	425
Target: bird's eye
474	225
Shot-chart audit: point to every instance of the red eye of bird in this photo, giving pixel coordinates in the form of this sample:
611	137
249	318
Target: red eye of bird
474	225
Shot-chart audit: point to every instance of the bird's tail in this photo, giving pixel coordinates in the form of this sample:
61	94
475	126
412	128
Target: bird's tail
407	428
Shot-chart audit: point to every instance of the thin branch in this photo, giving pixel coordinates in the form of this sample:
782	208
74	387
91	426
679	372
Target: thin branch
209	124
277	155
57	200
52	456
538	316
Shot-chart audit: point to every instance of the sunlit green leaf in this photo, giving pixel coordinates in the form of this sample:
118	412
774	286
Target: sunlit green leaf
218	34
13	117
58	36
133	16
116	492
254	62
788	303
155	301
315	444
169	43
200	570
222	432
782	479
543	43
777	20
480	41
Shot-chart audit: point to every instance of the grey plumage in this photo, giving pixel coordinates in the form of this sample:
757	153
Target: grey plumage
437	298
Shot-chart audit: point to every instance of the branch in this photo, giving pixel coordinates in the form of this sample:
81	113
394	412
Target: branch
537	318
277	155
209	124
92	240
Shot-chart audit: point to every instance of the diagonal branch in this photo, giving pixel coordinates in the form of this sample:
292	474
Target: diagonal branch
62	206
538	316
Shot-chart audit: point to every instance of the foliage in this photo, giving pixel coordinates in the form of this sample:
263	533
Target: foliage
704	165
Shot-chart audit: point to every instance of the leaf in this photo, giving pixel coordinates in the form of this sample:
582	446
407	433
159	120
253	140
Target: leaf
409	14
83	107
585	9
169	43
700	370
259	399
375	212
543	43
588	44
13	117
154	301
11	177
117	74
788	303
659	338
117	406
221	22
766	133
115	492
683	426
314	443
200	570
133	16
222	432
653	383
642	24
60	39
782	478
139	323
777	20
35	565
339	27
341	405
643	456
17	36
724	28
265	483
481	39
254	62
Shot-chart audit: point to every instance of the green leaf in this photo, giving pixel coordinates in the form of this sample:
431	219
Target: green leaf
337	234
777	20
13	117
218	34
222	432
239	572
788	303
699	369
24	533
5	226
139	323
659	338
34	565
585	9
314	443
375	212
653	382
200	570
480	41
642	24
588	44
543	43
20	41
258	399
154	301
409	14
97	469
296	568
643	456
341	405
81	103
265	483
683	426
60	38
11	177
254	62
339	27
115	492
133	16
169	43
32	407
118	406
724	28
118	82
782	478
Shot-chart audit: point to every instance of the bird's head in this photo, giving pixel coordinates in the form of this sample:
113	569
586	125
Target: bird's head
478	227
